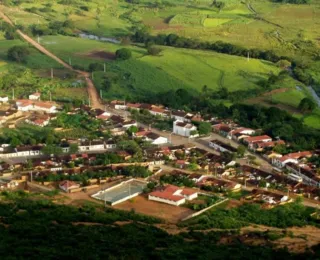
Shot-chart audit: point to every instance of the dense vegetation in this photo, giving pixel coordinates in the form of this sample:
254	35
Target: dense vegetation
56	231
294	214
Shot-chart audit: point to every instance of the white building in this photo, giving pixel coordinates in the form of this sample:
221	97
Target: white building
221	147
173	195
184	129
178	115
4	99
95	145
156	139
26	105
22	151
35	96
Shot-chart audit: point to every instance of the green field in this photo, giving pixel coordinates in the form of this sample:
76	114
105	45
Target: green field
290	98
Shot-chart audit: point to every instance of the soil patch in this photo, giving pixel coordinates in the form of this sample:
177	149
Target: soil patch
101	55
141	204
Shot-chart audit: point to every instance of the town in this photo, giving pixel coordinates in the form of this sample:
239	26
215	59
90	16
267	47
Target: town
125	154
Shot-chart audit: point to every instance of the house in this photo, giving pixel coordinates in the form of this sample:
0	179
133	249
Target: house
222	129
94	145
305	172
110	144
124	155
119	105
220	184
260	146
178	115
8	183
39	120
184	129
4	99
24	105
156	139
35	96
133	106
291	157
127	124
29	105
238	132
21	151
158	111
257	139
222	147
173	195
66	185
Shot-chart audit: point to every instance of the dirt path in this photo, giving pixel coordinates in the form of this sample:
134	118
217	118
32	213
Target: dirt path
92	92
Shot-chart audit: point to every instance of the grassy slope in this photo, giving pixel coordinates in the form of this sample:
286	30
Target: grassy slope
173	69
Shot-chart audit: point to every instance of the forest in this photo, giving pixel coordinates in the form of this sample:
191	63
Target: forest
59	232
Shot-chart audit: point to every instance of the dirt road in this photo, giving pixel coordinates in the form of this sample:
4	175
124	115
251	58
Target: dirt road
92	92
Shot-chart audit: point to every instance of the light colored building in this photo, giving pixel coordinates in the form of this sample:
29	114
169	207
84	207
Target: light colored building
35	96
173	195
26	105
66	185
235	133
184	129
4	99
22	151
221	147
95	145
290	158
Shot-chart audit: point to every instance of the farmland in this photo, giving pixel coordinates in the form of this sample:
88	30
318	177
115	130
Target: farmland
256	24
163	72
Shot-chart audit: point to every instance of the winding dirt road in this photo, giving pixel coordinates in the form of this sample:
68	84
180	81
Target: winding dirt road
92	91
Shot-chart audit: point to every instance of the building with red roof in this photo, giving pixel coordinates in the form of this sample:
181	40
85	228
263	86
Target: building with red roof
66	185
173	195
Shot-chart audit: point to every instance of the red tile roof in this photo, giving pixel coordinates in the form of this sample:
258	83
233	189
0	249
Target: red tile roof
259	138
166	195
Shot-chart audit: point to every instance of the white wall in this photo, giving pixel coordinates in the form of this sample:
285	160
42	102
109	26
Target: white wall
175	203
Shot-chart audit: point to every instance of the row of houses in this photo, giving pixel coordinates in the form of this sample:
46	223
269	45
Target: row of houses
156	110
99	145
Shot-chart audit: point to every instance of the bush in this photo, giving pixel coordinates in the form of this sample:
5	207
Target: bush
18	53
123	54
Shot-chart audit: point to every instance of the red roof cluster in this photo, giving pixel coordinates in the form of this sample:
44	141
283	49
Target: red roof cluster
173	193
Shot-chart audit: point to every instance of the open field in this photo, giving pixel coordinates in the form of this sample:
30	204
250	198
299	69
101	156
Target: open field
141	204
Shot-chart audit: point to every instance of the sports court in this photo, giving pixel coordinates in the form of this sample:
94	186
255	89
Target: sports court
121	192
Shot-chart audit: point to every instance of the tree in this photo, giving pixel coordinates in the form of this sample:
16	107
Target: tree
284	64
153	50
18	53
15	142
132	130
51	149
123	54
241	150
74	148
306	104
204	128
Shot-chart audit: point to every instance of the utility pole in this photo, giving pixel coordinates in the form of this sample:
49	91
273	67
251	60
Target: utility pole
51	73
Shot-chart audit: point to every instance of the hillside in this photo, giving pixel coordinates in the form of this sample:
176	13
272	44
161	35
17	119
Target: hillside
257	25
